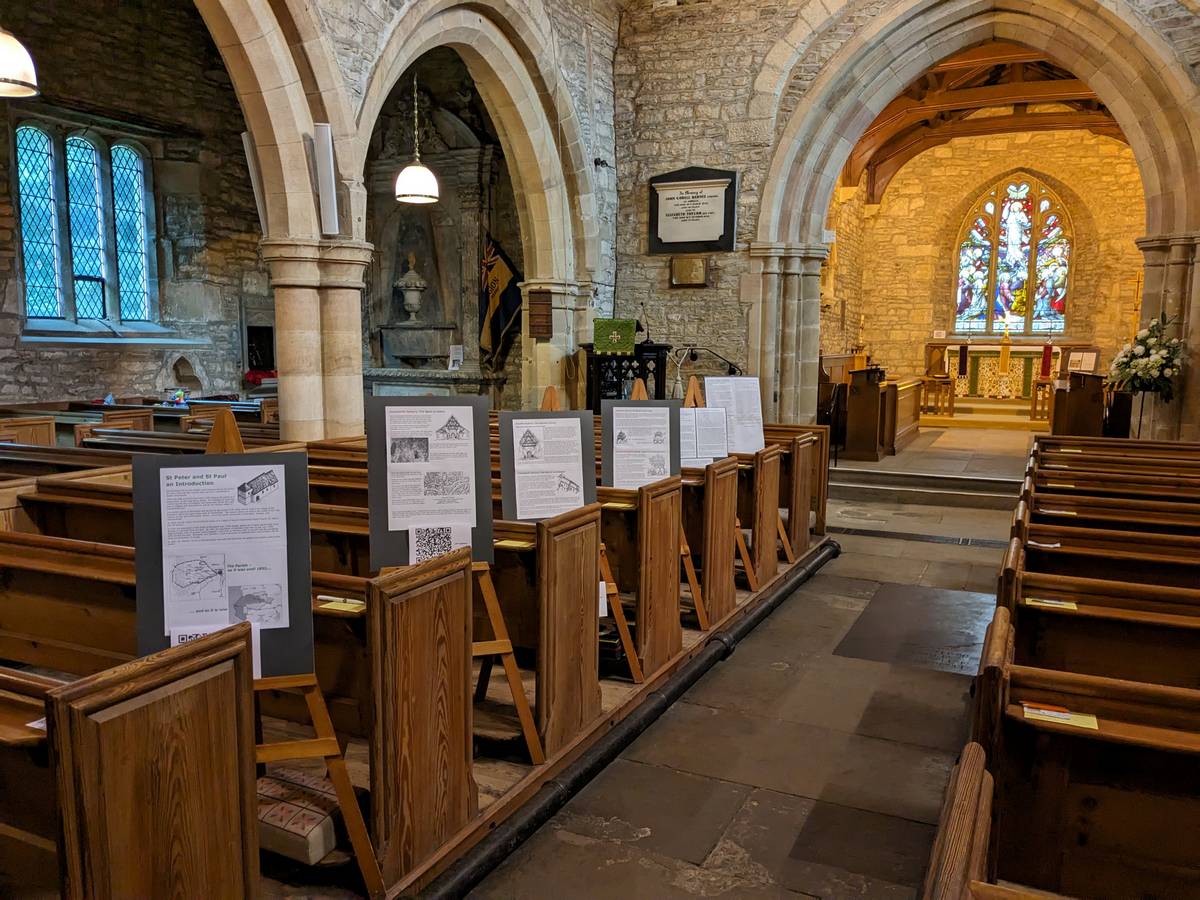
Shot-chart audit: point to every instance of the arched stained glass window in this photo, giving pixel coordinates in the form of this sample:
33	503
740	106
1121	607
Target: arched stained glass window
129	213
87	227
39	222
1014	258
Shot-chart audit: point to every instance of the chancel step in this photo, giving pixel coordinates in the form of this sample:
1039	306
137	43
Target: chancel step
848	483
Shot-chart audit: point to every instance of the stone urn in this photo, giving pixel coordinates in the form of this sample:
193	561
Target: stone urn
411	285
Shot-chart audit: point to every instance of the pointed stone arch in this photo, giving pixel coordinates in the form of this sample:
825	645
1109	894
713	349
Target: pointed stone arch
1135	73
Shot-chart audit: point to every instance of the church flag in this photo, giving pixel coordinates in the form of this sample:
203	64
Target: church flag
499	301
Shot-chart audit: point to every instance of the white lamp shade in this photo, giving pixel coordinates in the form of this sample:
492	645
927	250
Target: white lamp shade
17	77
416	184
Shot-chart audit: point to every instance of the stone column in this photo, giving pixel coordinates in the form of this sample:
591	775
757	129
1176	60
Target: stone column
789	339
1168	286
343	265
541	358
295	282
768	328
809	364
470	198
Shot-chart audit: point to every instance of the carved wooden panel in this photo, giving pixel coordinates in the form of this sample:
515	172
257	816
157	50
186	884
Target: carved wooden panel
568	683
720	511
420	638
154	763
765	513
659	635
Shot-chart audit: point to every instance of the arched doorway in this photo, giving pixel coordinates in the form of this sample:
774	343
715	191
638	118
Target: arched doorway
1143	86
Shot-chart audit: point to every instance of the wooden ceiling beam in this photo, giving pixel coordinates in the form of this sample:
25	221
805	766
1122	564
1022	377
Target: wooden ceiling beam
997	53
902	149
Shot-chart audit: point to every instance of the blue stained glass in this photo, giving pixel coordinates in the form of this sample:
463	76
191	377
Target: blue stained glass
129	216
87	227
39	222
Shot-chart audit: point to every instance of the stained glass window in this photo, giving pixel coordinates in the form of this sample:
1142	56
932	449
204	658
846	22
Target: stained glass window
87	227
129	214
1017	236
39	222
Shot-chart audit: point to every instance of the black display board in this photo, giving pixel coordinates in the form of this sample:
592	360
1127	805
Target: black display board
587	444
606	431
390	548
284	651
722	244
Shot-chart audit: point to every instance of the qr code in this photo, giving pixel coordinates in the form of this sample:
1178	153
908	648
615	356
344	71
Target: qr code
447	484
431	542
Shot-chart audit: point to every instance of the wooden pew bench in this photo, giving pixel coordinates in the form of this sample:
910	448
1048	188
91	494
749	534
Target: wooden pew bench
1136	485
1084	511
180	721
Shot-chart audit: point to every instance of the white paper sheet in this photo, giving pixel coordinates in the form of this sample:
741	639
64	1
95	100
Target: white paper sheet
224	538
426	542
455	361
740	399
548	466
183	635
603	600
431	466
701	437
641	445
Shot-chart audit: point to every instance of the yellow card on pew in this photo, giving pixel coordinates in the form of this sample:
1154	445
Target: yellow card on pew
340	604
510	544
1051	604
1059	715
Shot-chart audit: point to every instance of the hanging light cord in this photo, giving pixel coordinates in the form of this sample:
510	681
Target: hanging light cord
416	131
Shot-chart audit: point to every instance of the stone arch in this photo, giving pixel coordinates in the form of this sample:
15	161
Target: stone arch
274	103
1131	68
512	62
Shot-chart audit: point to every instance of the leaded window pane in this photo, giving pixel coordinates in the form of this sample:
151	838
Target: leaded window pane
87	227
129	216
39	222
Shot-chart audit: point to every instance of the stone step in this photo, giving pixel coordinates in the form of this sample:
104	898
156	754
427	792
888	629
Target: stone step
881	486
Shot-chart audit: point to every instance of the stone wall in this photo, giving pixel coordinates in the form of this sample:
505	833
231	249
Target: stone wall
907	246
152	66
841	276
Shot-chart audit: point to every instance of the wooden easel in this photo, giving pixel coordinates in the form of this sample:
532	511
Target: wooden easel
501	646
639	391
693	399
550	403
226	438
325	746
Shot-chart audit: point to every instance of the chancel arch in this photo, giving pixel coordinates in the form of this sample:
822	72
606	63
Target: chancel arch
1144	88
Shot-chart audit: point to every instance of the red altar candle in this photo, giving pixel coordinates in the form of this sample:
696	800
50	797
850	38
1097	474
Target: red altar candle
1047	350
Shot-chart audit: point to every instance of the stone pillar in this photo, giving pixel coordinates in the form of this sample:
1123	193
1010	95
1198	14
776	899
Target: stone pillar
542	358
343	265
295	282
809	361
768	328
789	340
470	203
1169	286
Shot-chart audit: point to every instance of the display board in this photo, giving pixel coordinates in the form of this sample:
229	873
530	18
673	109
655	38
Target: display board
429	484
702	436
220	539
547	463
639	441
742	402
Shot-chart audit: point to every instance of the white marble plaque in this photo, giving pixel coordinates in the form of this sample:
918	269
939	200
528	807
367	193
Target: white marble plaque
691	210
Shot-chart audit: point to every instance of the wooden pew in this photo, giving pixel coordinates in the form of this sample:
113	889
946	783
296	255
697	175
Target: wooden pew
1085	511
709	521
960	850
32	430
177	813
792	485
758	510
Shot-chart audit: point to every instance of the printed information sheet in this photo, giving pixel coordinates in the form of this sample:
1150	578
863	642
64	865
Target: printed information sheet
701	437
641	445
224	540
740	399
431	466
548	465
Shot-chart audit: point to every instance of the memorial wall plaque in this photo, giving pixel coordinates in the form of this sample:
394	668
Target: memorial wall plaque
693	210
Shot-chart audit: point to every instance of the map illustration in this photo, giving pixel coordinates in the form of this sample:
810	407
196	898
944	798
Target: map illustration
261	603
199	579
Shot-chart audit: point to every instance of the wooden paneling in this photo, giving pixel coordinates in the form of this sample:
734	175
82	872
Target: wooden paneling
907	419
720	513
763	531
421	784
154	763
568	580
659	635
29	430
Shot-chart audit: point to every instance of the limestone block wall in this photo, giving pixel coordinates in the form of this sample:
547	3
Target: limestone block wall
904	251
152	66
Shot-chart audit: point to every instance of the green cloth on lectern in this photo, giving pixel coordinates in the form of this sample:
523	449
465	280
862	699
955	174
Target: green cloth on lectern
614	336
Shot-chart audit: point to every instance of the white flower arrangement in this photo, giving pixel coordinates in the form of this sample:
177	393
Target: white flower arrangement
1150	363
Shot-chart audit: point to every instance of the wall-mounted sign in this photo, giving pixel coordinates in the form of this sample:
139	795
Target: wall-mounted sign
693	210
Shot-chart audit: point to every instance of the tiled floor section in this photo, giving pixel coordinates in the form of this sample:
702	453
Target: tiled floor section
985	452
796	768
